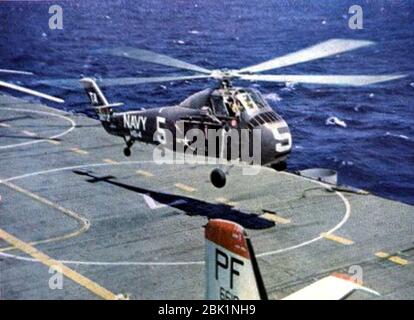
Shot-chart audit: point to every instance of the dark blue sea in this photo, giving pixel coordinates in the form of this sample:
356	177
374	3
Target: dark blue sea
375	150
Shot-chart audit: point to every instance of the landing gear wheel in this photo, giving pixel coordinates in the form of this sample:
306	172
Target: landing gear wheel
127	152
218	178
129	143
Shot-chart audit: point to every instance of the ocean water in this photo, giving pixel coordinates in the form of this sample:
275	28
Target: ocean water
365	133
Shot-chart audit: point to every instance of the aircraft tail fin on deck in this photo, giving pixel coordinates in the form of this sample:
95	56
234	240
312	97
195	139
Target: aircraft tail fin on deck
232	272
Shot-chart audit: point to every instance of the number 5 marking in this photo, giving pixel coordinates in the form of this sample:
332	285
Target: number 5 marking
161	135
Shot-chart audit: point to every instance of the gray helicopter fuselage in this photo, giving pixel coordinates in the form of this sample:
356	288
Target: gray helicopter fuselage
231	110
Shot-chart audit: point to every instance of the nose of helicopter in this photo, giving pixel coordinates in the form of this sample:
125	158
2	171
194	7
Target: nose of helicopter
276	141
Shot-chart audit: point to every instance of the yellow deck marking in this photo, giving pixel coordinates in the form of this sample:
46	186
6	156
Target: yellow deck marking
4	125
185	187
381	254
110	161
226	201
395	259
144	173
83	222
398	260
29	133
337	239
275	218
66	271
79	151
53	142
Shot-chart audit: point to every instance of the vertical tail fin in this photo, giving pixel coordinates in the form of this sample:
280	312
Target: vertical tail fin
98	101
94	93
232	272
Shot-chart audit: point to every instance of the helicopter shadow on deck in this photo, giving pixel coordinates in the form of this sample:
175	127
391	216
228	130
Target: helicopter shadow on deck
189	205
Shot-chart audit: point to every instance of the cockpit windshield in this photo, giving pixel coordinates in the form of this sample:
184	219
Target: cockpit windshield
244	99
251	100
237	102
258	99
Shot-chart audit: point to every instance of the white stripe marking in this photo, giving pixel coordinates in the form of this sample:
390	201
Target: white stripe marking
73	125
29	133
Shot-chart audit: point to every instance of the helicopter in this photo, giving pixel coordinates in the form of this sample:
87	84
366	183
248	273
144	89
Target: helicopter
231	109
26	90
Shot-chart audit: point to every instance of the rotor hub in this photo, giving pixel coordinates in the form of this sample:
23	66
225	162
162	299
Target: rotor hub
221	74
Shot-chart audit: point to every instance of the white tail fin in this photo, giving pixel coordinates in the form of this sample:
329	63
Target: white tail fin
232	272
98	101
95	94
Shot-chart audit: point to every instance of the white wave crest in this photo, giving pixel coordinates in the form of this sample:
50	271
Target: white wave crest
179	41
274	97
401	136
334	121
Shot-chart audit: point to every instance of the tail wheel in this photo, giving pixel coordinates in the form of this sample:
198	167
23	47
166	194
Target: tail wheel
127	152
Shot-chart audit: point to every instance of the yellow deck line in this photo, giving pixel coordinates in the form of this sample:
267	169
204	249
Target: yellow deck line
66	271
185	187
338	239
4	125
275	218
83	222
79	151
398	260
395	259
381	254
29	133
144	173
110	161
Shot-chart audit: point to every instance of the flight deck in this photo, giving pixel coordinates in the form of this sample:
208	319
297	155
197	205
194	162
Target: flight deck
129	228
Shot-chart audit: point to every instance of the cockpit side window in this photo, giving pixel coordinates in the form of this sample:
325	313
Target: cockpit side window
218	106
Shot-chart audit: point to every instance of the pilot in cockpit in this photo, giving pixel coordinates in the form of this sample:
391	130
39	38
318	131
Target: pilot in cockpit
232	106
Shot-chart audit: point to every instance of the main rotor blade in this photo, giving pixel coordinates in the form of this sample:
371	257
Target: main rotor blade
321	50
15	72
132	80
149	56
339	80
30	91
69	84
74	83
